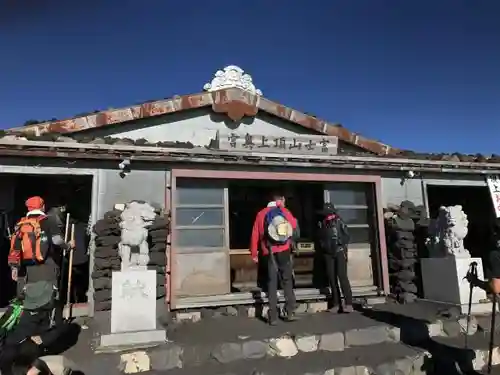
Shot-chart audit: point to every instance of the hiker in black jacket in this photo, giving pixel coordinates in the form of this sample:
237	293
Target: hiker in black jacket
334	240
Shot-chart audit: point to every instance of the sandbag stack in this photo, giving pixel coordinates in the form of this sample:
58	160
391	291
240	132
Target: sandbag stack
402	224
106	258
158	234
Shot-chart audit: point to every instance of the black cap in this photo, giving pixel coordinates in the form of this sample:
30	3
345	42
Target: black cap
328	209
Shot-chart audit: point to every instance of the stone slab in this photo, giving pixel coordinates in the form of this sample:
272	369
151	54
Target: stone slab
133	301
123	339
444	280
166	358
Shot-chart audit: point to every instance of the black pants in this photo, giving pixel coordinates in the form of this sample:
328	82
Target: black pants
336	270
79	283
20	354
279	268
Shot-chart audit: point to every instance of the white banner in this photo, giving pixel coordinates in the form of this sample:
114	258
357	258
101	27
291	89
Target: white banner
494	186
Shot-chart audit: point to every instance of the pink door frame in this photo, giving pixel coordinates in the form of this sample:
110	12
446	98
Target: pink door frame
282	176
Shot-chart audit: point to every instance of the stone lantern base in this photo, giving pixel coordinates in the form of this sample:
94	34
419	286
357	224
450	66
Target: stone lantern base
444	283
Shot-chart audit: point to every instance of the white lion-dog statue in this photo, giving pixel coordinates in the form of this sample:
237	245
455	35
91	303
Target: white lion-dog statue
136	217
448	232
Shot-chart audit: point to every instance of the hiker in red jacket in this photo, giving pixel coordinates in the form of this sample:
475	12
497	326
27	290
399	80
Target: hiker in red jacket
273	230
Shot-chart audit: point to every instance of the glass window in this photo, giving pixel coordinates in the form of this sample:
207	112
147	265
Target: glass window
200	237
199	216
354	215
199	191
348	193
359	235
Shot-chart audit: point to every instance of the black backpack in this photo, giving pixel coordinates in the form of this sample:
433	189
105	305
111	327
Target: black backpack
335	236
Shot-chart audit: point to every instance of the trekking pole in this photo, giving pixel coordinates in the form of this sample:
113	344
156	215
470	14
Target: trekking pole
66	231
471	272
70	272
492	333
7	225
63	263
62	271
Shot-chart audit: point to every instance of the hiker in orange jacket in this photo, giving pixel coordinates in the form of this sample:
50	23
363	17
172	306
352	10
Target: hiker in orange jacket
272	234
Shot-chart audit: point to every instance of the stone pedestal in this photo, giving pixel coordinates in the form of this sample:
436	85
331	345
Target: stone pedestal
443	282
133	310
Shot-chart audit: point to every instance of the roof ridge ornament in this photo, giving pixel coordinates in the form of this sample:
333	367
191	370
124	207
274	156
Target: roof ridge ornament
232	76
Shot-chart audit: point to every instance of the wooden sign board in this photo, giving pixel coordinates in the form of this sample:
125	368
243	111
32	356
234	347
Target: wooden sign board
494	186
295	144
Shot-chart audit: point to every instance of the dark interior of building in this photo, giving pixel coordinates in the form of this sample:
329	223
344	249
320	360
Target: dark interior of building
246	198
476	203
73	191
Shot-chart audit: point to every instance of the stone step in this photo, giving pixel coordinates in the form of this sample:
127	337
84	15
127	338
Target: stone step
417	321
228	340
379	359
233	339
465	353
235	336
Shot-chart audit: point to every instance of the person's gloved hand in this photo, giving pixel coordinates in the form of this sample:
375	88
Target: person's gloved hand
472	278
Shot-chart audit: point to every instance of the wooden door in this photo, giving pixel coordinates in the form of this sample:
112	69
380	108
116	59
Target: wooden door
200	246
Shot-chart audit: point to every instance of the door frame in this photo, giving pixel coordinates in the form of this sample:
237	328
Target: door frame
280	176
78	309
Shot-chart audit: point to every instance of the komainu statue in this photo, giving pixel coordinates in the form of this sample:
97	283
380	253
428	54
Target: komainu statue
448	232
133	247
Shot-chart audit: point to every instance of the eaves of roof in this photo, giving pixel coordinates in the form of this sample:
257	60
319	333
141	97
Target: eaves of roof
119	149
235	102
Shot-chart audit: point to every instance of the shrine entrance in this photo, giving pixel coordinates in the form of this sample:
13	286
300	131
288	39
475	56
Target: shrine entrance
212	218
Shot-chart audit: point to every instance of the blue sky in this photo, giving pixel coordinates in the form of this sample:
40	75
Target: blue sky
421	75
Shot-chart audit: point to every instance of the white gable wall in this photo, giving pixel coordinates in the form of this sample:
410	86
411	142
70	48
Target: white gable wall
197	127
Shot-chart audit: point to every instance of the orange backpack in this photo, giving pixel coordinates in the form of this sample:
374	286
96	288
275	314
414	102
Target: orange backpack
27	247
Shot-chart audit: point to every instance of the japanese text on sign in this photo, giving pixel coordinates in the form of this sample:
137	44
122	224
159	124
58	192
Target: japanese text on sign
300	144
494	186
133	289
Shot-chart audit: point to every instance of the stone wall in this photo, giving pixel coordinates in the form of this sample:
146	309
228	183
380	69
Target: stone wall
107	259
406	230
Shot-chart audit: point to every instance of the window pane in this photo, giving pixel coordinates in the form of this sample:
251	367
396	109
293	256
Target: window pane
197	237
354	215
199	216
199	191
359	235
349	193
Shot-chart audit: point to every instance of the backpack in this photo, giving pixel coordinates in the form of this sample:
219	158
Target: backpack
28	244
335	235
11	317
277	227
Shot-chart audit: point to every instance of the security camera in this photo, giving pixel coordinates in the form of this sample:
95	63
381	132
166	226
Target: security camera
124	168
410	174
124	164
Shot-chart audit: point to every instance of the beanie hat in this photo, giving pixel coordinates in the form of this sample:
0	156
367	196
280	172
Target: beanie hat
34	203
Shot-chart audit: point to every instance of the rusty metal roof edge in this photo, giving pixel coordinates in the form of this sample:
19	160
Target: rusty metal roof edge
204	94
205	98
201	151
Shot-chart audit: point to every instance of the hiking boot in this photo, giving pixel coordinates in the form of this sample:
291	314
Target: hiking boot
334	310
347	309
291	317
